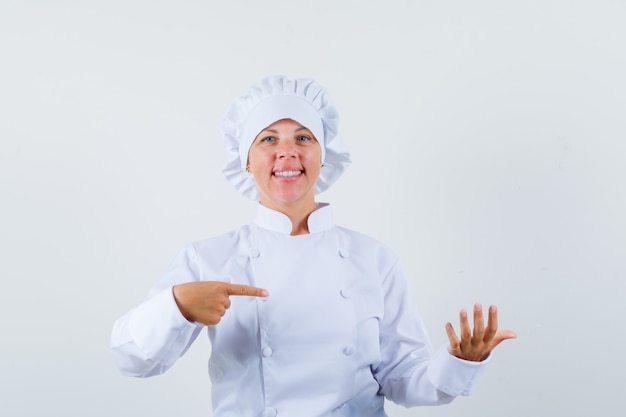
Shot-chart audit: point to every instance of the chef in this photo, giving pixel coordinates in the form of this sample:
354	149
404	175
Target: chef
305	318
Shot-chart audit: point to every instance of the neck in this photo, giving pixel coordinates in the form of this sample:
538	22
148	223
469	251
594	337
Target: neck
298	213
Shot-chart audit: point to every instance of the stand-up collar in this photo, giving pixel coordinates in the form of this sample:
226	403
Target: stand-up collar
321	219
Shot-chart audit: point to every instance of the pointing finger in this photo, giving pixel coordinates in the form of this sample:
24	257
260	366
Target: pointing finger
239	289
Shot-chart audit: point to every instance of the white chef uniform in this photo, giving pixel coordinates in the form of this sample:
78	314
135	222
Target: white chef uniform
338	332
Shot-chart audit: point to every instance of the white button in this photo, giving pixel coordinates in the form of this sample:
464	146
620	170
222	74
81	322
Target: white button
267	351
346	293
254	253
270	412
348	350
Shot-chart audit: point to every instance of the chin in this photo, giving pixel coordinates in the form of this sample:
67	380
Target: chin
287	198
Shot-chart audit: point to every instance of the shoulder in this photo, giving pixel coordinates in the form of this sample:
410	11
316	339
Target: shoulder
361	238
365	245
228	243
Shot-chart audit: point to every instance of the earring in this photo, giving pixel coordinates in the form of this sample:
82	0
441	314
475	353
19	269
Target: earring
322	165
248	168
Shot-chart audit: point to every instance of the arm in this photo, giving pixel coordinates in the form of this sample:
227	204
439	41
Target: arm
409	373
148	339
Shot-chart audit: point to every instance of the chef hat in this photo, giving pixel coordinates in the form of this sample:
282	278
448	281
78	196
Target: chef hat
275	98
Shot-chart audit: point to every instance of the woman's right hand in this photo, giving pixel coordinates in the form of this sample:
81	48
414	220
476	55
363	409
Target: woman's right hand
207	301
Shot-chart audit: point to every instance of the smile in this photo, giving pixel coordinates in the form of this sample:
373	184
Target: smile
286	174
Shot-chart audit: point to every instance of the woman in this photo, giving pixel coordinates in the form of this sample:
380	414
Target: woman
305	318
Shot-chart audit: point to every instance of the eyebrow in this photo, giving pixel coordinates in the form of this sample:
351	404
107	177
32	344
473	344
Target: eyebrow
276	131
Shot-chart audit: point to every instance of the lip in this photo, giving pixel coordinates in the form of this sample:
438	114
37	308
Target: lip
288	173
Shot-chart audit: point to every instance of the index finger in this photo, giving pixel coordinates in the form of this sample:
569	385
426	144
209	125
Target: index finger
240	289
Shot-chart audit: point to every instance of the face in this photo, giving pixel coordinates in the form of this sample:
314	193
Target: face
285	160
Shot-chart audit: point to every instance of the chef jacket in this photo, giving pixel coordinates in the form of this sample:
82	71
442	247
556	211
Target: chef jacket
337	334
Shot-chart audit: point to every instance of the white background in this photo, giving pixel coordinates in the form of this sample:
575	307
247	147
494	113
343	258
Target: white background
488	141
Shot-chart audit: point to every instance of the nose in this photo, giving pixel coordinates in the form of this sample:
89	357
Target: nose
287	149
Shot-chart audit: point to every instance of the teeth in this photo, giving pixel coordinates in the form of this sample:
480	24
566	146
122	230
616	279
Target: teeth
287	173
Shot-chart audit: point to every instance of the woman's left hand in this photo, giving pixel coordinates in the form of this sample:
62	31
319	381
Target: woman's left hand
477	346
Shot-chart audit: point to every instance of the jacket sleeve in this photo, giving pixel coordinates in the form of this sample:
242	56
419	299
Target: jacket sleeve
410	373
149	338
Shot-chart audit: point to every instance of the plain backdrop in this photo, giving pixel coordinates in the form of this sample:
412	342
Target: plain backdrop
488	141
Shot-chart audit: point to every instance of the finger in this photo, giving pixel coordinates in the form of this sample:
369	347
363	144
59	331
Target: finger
479	324
466	332
455	343
503	335
248	290
492	324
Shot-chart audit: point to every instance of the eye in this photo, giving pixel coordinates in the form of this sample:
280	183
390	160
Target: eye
268	139
304	138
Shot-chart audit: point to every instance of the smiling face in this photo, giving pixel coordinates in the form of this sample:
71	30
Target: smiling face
285	160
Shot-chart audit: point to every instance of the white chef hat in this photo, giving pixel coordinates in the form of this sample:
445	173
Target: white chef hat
275	98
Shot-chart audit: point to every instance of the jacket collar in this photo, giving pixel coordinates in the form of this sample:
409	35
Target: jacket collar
321	219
